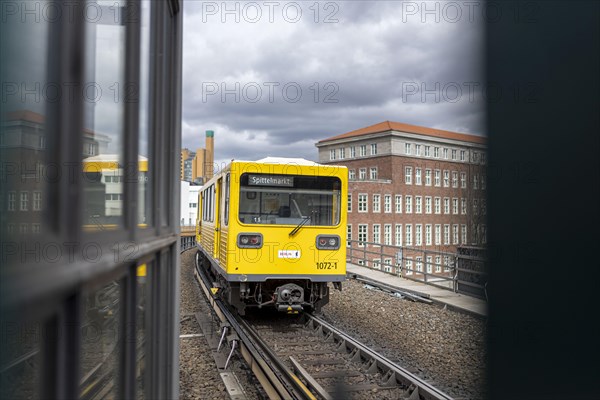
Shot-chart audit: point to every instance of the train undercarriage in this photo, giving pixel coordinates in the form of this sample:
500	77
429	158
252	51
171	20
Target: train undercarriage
285	295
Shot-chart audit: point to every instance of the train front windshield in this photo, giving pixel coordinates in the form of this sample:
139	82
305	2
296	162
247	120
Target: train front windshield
289	199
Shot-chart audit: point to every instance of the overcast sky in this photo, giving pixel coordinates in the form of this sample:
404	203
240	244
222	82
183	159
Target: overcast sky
288	74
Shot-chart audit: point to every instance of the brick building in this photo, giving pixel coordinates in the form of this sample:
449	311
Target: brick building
412	186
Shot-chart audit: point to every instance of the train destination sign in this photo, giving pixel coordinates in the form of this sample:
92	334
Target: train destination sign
271	180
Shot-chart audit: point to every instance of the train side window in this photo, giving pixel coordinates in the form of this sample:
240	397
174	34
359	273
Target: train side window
226	202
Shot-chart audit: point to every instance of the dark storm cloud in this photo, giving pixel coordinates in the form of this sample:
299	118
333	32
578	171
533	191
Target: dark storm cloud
380	61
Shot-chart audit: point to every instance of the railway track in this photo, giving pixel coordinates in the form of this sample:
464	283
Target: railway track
304	357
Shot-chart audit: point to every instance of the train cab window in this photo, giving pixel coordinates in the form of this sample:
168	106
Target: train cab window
226	202
289	199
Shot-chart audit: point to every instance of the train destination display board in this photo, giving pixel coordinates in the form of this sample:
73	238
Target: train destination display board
271	180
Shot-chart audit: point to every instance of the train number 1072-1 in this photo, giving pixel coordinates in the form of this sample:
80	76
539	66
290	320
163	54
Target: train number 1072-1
326	265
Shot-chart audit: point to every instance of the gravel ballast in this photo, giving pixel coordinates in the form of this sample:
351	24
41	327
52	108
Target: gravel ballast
445	346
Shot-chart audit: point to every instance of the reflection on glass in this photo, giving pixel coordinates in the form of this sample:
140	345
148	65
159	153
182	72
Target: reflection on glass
289	200
100	352
105	94
144	187
142	288
20	373
23	136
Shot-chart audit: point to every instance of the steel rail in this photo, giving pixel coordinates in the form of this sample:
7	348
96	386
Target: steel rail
275	378
391	371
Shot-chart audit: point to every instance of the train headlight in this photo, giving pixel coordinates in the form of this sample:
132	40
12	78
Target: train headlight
328	242
250	240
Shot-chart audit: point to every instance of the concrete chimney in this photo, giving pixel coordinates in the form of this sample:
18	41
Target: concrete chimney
210	154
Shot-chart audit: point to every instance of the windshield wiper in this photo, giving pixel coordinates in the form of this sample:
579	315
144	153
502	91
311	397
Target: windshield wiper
300	225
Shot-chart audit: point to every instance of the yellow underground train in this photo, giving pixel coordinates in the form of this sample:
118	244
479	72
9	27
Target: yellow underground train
271	233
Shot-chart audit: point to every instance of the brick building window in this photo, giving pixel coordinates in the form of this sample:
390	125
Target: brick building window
373	172
427	177
376	203
418	201
373	149
446	205
387	234
418	235
363	207
428	235
376	233
428	262
455	205
419	262
463	234
446	234
24	204
352	174
475	207
398	201
362	174
475	181
12	201
453	154
418	174
438	264
438	235
482	182
349	202
387	203
437	205
446	178
436	152
348	234
353	152
408	175
454	179
455	234
408	266
363	233
437	178
428	205
427	151
408	204
363	150
342	153
332	154
407	149
462	155
417	149
463	206
408	234
445	153
37	201
398	235
463	180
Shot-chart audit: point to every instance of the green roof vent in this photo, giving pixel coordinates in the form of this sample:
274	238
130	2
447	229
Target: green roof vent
210	133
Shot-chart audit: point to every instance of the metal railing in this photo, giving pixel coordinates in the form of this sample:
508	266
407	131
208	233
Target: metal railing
187	242
461	272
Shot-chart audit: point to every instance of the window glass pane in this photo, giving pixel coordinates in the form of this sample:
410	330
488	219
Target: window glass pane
21	368
141	319
100	351
144	186
105	94
289	200
23	134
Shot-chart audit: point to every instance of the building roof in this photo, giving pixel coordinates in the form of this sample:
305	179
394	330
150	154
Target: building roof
401	127
286	160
